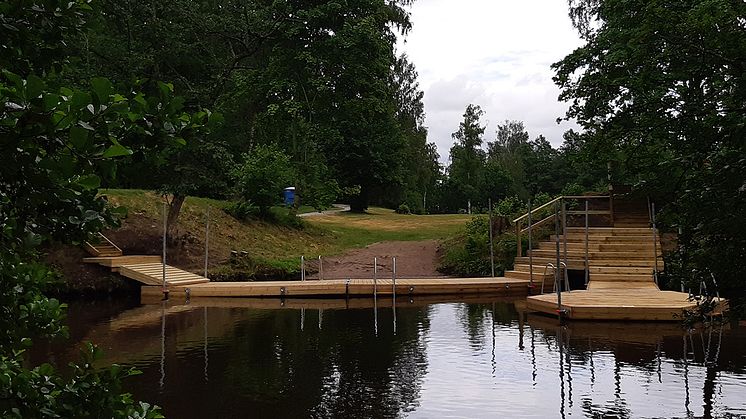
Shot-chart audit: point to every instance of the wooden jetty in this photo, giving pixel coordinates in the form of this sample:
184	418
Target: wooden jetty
148	270
621	259
348	288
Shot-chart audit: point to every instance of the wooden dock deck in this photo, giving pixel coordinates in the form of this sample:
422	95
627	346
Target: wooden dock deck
617	304
346	288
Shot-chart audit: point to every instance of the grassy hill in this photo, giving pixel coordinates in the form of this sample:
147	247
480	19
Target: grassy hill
271	250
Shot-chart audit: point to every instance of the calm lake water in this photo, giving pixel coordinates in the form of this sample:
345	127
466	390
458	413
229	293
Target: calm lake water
258	358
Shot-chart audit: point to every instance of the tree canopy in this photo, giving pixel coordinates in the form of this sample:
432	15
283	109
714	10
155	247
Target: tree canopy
659	89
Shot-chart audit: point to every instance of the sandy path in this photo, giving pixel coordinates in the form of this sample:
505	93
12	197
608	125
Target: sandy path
416	259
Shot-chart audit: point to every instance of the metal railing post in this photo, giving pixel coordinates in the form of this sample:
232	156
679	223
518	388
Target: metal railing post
302	268
163	256
557	267
375	278
393	279
530	252
207	238
519	250
321	269
492	248
564	230
655	242
587	266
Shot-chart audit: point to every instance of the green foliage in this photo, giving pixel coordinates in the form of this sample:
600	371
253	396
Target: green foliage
264	173
403	209
469	255
85	393
659	89
58	144
25	311
242	210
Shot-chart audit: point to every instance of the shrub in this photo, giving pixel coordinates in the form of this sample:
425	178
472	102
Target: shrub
265	172
242	210
403	209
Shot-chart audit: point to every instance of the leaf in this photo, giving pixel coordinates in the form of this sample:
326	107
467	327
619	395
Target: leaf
166	88
80	100
78	137
51	101
34	87
117	150
15	78
89	181
102	88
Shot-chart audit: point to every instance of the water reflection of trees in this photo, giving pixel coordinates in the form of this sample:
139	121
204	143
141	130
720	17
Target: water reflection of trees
264	363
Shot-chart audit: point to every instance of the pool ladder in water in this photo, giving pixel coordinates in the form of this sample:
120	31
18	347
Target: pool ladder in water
563	266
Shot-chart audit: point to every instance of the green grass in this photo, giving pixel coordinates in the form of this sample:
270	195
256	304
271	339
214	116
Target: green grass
380	224
271	247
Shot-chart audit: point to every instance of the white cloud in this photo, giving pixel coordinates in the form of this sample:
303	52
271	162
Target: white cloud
494	53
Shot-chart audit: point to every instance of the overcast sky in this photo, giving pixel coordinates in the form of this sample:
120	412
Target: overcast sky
493	53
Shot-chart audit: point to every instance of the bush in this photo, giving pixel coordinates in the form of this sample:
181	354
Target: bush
403	209
469	255
242	210
265	172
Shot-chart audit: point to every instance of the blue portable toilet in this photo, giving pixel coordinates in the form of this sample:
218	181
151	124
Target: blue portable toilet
289	195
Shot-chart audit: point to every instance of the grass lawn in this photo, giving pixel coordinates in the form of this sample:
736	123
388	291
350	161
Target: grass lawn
380	224
272	245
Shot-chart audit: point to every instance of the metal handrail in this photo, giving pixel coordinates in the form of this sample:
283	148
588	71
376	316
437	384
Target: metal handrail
560	199
545	275
567	278
537	209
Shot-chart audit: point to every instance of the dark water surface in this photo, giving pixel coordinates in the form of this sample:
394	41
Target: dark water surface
256	358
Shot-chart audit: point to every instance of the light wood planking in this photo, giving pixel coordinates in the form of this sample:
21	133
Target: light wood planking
617	304
343	288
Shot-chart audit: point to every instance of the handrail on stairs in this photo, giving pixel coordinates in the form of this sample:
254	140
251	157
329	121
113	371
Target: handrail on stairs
561	200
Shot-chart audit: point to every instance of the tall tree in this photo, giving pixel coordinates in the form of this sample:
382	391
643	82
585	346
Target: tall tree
661	84
467	157
510	149
421	168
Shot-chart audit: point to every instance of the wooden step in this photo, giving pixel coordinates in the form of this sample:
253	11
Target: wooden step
620	270
600	285
596	255
621	277
117	261
580	263
599	246
612	231
526	275
604	239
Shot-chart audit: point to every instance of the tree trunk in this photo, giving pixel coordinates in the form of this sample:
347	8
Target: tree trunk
360	202
174	209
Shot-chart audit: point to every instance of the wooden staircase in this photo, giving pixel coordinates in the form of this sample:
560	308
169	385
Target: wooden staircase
102	247
620	256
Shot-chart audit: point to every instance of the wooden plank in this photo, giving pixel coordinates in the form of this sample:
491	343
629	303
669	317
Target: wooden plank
359	287
616	304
